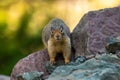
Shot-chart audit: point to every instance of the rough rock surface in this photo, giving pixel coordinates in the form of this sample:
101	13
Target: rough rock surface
34	62
33	75
104	67
113	46
92	32
3	77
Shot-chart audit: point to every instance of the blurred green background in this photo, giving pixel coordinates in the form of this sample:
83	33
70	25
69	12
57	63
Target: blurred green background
21	23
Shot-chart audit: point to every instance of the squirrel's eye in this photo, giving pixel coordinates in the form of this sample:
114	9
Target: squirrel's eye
52	32
61	30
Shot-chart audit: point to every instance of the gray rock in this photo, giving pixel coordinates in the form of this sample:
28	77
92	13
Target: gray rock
93	31
113	46
3	77
104	67
50	68
33	75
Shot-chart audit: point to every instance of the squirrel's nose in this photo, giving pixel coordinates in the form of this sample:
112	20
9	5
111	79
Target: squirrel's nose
58	37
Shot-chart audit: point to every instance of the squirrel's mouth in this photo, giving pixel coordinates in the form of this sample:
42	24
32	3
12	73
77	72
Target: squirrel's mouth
57	38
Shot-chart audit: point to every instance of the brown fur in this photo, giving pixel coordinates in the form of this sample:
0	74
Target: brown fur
56	37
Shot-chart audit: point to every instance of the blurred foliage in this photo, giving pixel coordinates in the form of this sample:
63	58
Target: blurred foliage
21	23
15	41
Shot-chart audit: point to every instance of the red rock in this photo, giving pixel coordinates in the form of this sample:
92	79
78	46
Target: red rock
33	62
93	31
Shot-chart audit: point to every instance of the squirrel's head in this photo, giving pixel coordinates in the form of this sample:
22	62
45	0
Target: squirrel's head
57	33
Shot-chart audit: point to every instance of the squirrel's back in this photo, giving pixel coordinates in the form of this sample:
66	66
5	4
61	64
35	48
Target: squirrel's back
55	26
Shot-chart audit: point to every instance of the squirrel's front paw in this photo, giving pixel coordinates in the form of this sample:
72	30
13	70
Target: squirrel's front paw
67	61
52	61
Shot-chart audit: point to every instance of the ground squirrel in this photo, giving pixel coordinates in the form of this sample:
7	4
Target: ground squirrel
56	37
